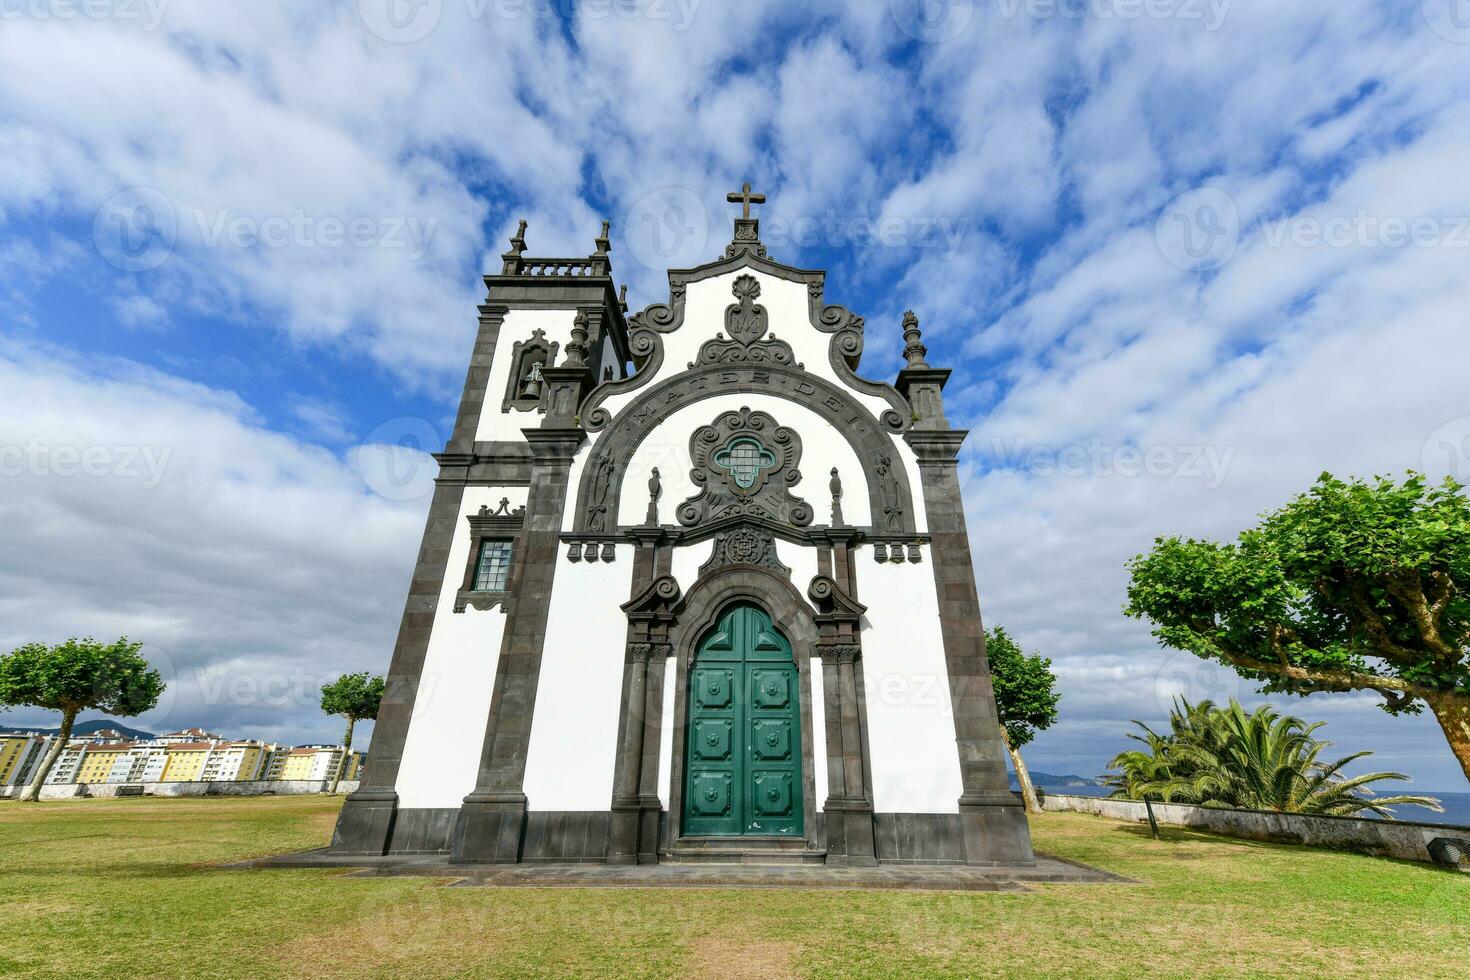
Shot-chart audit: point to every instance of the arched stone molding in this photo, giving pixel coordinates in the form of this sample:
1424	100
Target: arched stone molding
697	613
844	351
890	497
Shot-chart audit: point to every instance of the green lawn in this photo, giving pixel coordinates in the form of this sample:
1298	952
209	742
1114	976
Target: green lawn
123	888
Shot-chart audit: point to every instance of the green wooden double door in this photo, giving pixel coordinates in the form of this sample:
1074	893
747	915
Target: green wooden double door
742	761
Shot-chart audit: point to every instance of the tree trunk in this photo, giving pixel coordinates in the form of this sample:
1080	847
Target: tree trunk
1028	791
1453	713
33	791
346	756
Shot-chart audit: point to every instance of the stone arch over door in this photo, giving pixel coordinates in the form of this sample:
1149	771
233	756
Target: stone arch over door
699	612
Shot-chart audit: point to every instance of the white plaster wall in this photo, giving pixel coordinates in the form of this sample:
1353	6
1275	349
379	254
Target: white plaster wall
441	755
786	312
803	564
496	425
667	447
574	733
910	721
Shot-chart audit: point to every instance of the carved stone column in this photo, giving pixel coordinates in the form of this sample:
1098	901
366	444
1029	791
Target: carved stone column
627	807
650	613
849	804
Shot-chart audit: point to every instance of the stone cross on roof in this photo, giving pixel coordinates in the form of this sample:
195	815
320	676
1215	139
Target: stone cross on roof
745	199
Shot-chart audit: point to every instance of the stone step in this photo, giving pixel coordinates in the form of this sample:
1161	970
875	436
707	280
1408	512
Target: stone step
742	850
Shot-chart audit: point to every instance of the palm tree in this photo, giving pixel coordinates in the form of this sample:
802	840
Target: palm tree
1261	760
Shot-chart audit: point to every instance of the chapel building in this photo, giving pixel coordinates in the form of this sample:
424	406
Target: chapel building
690	589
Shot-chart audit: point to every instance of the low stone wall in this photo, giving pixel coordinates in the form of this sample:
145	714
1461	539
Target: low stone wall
1383	838
259	787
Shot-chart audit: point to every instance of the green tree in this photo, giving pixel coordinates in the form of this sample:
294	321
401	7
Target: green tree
75	676
1258	760
1025	700
1353	586
355	697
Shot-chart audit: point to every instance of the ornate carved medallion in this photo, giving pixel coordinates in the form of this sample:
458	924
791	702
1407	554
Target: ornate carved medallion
746	464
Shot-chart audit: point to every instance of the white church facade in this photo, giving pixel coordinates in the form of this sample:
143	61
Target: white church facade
690	589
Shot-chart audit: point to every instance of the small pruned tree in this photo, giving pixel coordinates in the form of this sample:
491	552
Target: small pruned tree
75	676
1025	699
1353	586
355	697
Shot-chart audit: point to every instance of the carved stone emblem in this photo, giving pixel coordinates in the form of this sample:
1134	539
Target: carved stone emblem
746	464
746	323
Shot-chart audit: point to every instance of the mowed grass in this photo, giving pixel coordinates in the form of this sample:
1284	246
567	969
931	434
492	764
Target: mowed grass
125	888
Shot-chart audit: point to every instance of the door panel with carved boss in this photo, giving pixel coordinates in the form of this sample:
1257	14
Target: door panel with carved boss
743	759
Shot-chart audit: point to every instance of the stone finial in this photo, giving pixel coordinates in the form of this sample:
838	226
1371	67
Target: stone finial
655	490
836	487
577	346
512	258
603	245
913	348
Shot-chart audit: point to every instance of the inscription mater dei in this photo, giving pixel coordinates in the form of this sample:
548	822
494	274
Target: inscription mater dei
813	391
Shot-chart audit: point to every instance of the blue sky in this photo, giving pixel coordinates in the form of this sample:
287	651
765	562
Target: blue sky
1183	255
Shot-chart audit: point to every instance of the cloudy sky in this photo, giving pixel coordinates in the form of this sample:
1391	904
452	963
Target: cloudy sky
1185	255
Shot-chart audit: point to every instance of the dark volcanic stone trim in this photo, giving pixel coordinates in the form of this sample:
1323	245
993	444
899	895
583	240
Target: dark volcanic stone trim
477	379
494	814
843	351
992	819
844	413
567	836
918	838
367	814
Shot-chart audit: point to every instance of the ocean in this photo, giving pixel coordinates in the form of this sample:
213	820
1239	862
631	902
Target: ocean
1456	805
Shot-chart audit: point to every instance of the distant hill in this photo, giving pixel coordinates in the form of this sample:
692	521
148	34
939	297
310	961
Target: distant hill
1052	779
83	728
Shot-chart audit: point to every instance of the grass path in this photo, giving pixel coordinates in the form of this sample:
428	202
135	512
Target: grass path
124	888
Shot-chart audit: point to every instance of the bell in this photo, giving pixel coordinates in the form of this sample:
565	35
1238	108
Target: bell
532	388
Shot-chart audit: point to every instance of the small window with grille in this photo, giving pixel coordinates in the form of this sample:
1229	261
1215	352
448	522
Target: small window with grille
492	569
